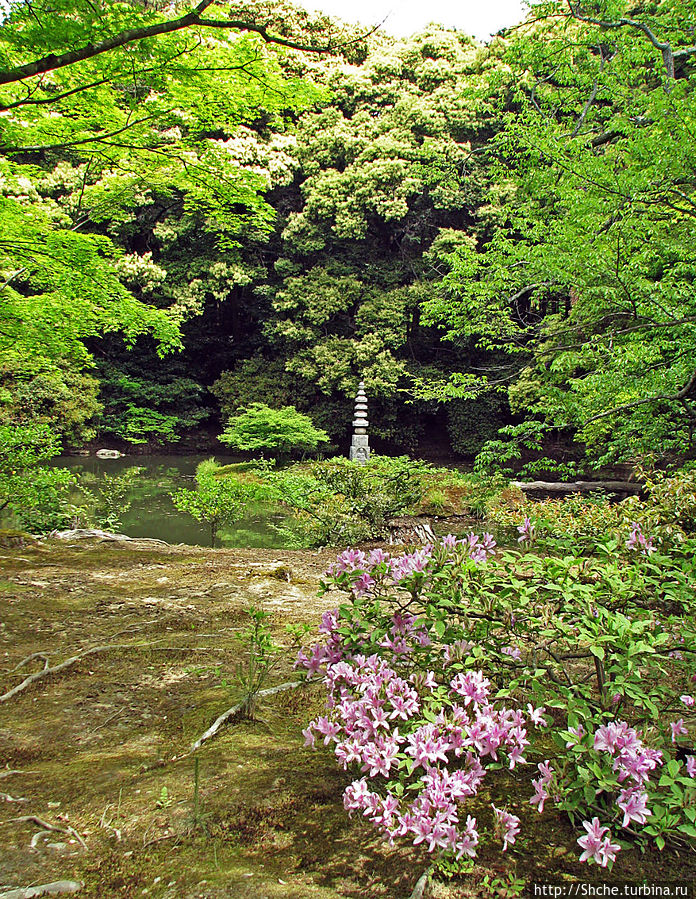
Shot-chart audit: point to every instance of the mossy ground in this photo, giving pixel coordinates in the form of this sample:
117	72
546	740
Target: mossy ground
102	746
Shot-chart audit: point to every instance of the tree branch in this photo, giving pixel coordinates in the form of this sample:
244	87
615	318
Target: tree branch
53	61
660	397
592	97
56	98
86	140
665	48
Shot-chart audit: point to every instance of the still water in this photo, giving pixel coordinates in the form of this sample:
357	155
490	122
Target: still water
152	513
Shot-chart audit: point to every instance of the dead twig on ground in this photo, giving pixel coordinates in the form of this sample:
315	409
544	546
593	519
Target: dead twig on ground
107	721
47	670
34	655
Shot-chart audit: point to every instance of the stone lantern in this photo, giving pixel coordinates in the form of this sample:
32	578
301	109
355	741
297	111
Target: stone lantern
360	447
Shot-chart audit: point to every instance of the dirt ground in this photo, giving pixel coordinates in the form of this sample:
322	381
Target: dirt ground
100	750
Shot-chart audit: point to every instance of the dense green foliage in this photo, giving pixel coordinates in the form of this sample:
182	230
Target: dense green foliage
667	512
200	212
32	496
583	269
278	432
335	502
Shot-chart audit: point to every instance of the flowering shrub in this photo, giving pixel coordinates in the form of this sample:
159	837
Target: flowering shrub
453	661
668	513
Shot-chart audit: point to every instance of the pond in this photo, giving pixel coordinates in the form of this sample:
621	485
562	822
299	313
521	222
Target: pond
152	513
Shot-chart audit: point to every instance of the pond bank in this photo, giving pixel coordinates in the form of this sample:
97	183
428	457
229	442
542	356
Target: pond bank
101	747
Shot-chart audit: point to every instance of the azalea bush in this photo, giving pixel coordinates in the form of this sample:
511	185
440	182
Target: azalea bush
450	664
667	512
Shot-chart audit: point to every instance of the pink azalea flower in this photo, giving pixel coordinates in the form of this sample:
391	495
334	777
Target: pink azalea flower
526	531
678	729
578	732
607	852
363	584
536	716
540	794
596	845
633	803
639	541
507	825
472	685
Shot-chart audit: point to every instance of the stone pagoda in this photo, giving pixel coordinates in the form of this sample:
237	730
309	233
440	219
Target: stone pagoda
360	447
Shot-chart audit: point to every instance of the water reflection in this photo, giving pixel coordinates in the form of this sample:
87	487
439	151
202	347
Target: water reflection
152	513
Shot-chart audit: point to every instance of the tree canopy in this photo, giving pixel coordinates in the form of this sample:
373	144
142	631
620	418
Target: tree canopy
583	271
206	207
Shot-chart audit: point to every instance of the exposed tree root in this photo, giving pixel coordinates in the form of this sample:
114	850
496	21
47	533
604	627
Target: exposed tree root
420	887
46	889
46	671
34	819
239	709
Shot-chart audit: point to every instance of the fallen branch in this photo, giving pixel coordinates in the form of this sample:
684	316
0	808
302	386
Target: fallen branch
34	655
46	889
236	709
5	797
34	819
9	772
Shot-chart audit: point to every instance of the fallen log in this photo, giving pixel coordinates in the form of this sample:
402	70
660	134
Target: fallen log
627	487
410	530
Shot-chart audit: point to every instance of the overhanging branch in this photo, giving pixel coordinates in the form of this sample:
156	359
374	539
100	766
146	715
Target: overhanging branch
665	48
660	397
53	61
